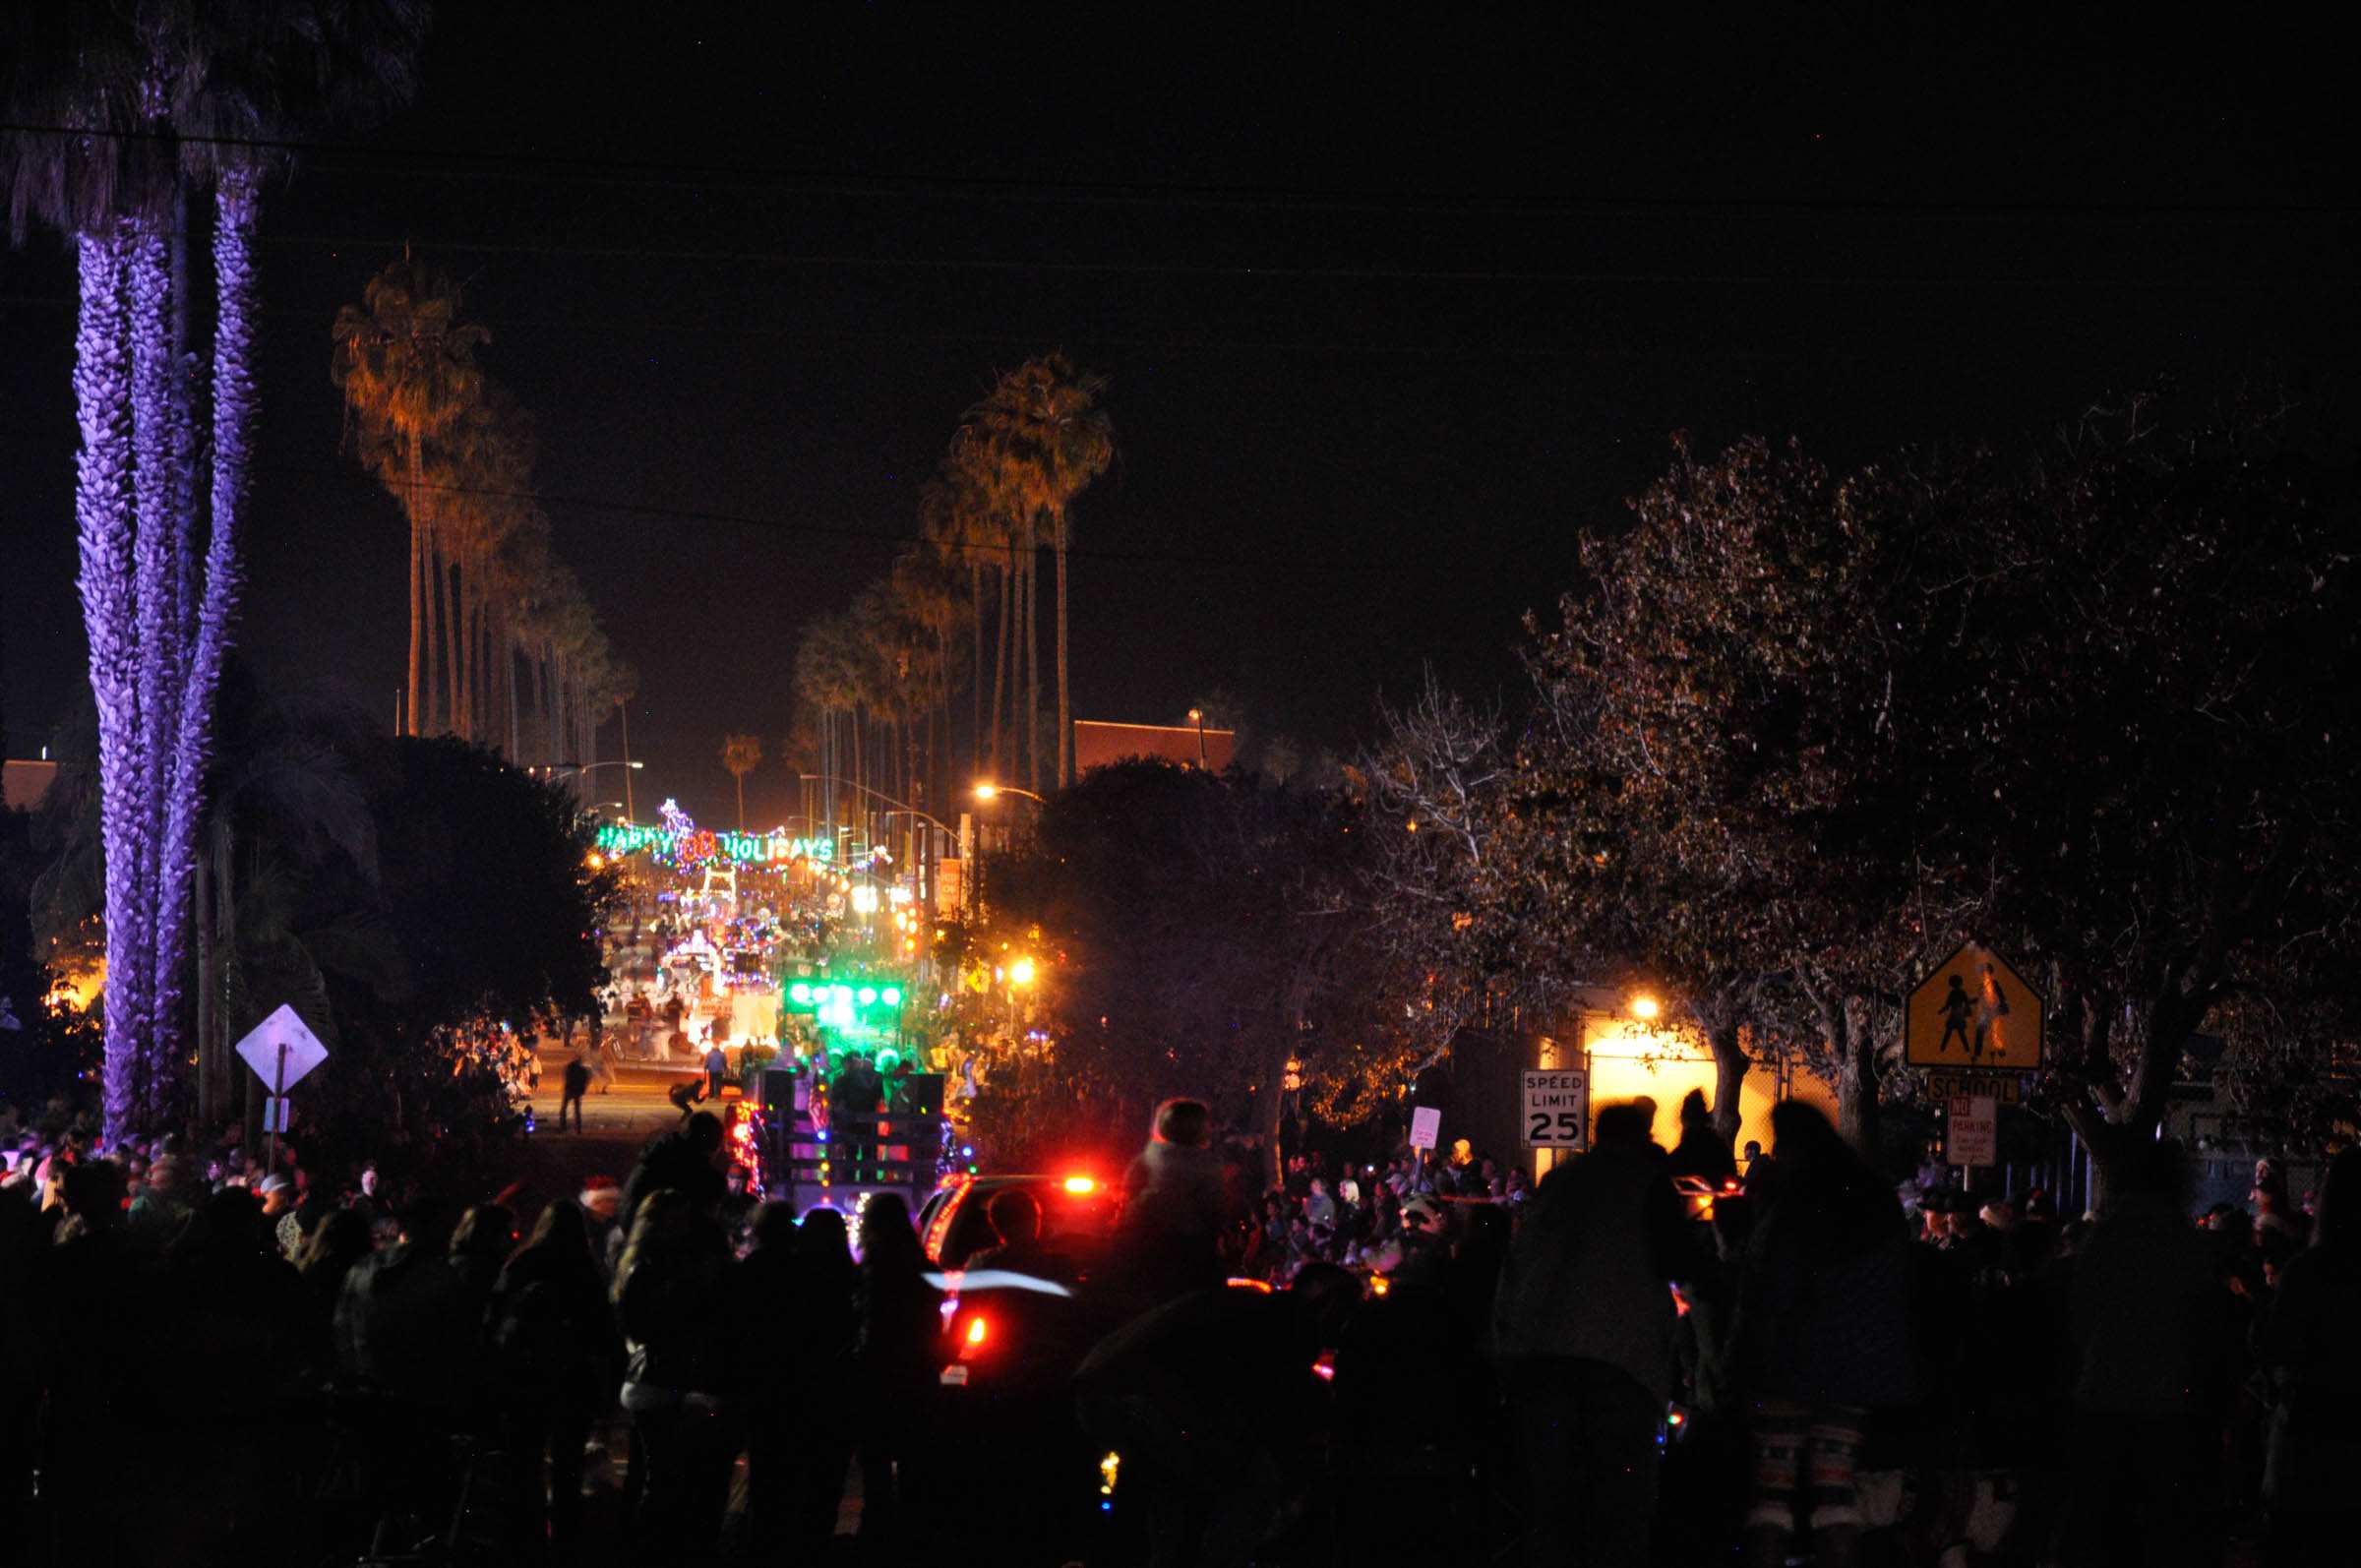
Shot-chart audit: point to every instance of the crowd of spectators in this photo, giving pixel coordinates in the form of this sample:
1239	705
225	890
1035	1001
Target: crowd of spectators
202	1358
1866	1371
1386	1219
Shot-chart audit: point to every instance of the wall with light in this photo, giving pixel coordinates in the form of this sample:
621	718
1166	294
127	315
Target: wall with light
1631	1060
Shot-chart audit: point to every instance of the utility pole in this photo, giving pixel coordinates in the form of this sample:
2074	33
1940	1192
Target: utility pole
623	712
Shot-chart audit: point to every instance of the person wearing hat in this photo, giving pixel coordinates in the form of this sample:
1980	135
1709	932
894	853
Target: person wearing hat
601	1199
278	1209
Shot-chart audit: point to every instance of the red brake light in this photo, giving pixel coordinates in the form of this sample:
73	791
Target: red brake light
977	1330
1080	1187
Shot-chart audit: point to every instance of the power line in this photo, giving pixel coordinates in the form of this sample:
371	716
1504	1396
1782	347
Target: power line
662	174
895	542
1452	350
738	258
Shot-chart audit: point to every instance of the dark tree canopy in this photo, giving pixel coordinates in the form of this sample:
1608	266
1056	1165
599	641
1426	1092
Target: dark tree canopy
1187	921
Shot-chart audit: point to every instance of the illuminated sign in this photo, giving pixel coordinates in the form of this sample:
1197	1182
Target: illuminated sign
844	1004
700	845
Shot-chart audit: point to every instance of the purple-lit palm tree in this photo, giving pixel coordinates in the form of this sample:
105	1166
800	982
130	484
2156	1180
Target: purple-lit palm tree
124	114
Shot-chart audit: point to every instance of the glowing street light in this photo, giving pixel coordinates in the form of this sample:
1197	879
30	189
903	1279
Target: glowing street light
1021	972
986	790
1645	1009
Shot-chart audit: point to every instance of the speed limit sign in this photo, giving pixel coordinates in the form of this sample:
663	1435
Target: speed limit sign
1557	1106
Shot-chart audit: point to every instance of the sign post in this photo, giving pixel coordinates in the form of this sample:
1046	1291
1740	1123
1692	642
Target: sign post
280	1049
1971	1134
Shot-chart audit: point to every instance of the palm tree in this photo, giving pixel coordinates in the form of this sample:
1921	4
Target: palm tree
1048	437
406	364
120	111
741	755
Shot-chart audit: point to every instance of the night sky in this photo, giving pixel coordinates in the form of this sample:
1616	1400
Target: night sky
1393	315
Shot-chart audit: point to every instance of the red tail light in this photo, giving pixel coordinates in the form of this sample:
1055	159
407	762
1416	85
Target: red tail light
972	1340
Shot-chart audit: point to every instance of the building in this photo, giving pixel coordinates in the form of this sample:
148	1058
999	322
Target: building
23	782
1099	742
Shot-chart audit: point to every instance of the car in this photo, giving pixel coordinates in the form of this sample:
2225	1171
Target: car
1010	1447
1077	1215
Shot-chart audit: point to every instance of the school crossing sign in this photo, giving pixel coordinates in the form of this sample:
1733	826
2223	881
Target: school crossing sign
1973	1013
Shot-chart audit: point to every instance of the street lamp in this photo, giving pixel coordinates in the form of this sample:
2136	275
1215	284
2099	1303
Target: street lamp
986	790
555	768
898	806
1197	716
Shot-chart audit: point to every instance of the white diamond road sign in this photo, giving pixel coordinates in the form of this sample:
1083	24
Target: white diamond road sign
281	1050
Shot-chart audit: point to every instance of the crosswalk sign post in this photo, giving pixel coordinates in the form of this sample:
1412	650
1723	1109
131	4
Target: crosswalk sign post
280	1049
1973	1013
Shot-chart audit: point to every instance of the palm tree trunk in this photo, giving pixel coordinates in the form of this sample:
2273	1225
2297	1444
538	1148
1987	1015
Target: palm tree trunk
105	524
447	610
418	628
1066	710
1032	670
974	676
209	1108
206	610
999	677
465	596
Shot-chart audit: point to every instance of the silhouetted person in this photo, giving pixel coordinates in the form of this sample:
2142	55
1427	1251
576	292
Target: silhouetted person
552	1343
853	1112
90	1312
1823	1336
403	1314
343	1239
2147	1322
1015	1216
896	1364
1583	1324
765	1291
1701	1152
1958	1008
685	1159
1991	1010
240	1316
1211	1401
1169	1239
827	1287
2310	1352
479	1248
576	1085
669	1295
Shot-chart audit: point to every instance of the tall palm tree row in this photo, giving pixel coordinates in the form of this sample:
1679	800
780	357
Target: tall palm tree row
487	597
122	118
878	683
1042	436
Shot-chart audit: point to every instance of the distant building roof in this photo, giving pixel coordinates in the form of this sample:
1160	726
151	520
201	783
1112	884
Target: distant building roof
1099	742
23	783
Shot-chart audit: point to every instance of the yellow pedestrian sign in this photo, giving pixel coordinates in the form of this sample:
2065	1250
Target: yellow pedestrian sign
1972	1011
